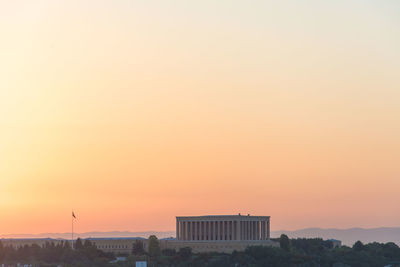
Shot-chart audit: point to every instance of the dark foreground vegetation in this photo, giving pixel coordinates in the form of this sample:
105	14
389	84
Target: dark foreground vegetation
294	252
84	254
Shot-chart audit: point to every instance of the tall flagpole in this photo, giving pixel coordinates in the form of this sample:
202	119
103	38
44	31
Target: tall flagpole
72	240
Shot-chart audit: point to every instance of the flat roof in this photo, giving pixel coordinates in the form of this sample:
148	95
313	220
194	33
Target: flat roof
223	217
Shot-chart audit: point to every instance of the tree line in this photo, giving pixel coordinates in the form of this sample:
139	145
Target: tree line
300	252
51	254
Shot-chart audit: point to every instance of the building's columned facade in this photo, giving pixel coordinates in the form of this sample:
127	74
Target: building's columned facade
221	233
223	228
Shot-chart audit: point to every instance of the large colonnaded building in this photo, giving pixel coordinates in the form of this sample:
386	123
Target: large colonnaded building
221	233
214	233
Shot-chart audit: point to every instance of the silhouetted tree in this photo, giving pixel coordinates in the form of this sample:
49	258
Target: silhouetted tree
358	246
284	242
154	246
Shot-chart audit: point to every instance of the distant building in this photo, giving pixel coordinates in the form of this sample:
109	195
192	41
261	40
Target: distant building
223	227
336	243
117	245
220	233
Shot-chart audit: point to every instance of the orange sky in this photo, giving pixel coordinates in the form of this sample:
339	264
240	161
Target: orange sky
132	113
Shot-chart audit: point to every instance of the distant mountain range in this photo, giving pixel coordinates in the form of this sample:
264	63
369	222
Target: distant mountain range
347	236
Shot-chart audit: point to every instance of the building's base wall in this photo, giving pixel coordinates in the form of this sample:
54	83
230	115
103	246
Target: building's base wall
215	246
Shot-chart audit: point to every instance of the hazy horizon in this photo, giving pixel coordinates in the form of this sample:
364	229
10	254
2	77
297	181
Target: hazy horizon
133	112
347	236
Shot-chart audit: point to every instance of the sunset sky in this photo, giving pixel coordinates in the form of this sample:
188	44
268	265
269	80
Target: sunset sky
134	112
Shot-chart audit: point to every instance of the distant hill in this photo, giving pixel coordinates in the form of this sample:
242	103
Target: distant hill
347	236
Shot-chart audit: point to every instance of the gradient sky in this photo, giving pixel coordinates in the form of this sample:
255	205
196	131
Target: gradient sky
133	112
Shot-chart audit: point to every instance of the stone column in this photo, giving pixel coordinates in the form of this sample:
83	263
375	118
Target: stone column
180	231
207	230
254	230
195	230
243	223
229	237
183	230
222	230
238	230
246	232
219	230
225	230
251	230
233	231
189	230
226	224
186	231
216	230
204	230
243	230
268	229
213	230
263	230
210	235
228	230
201	230
177	230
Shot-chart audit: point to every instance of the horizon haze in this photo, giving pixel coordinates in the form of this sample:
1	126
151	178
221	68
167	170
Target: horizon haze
346	236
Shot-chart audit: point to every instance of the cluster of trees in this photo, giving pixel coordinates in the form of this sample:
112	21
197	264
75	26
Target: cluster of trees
299	252
84	254
157	257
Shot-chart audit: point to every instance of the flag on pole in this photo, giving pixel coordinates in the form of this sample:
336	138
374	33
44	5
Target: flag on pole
73	215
